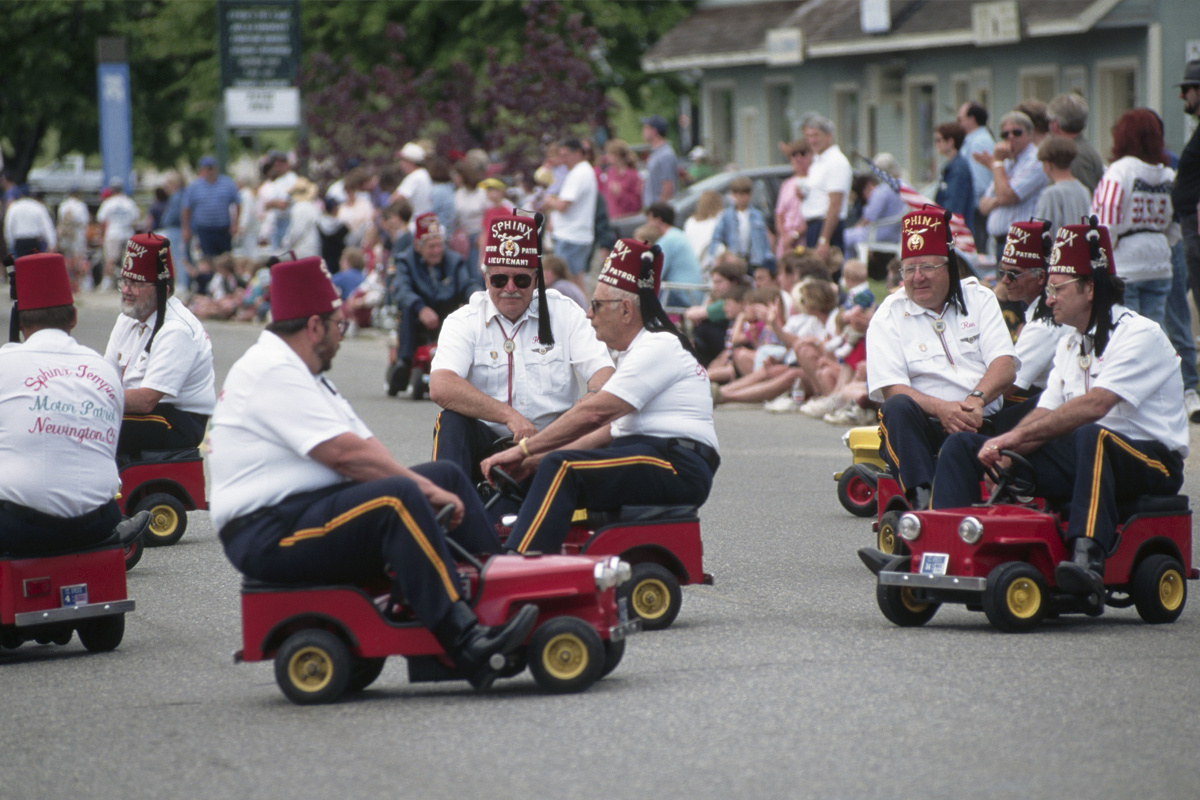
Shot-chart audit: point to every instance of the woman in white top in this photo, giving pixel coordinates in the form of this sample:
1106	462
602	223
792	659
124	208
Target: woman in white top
701	224
470	201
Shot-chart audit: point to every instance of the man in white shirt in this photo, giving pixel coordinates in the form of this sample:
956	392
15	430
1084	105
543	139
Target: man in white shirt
829	179
1113	405
73	216
274	200
939	355
504	364
573	211
417	186
647	437
117	216
61	404
163	354
310	496
28	227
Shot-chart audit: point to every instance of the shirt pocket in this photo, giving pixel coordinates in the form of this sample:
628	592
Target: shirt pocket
550	371
489	373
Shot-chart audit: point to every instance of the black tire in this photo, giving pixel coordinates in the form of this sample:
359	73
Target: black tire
363	673
102	634
887	539
133	553
1159	589
566	655
856	494
652	594
168	519
613	653
900	607
313	666
1016	597
418	384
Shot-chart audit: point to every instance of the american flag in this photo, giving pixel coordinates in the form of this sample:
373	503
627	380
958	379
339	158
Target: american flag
964	240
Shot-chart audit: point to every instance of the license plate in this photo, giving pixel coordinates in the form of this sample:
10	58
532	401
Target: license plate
934	563
74	595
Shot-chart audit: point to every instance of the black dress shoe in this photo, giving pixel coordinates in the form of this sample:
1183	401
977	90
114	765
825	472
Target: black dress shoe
131	528
1083	575
481	651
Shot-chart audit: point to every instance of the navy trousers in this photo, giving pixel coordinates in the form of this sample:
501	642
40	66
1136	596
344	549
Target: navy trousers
354	532
466	442
633	470
25	531
164	428
1079	467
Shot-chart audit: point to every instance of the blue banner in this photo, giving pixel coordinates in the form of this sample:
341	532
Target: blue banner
116	123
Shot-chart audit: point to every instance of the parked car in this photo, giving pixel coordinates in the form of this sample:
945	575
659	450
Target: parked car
64	176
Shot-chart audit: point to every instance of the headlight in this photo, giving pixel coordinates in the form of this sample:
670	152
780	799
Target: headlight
623	569
846	439
970	529
909	527
606	576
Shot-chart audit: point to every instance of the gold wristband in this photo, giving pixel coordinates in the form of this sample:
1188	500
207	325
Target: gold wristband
525	449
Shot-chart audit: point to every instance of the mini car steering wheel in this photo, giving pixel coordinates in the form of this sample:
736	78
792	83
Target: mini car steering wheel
1008	482
507	484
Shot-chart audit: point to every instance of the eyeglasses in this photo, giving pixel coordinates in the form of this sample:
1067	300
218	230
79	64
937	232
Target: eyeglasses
597	303
1052	290
500	280
343	325
1011	134
925	269
1013	275
133	286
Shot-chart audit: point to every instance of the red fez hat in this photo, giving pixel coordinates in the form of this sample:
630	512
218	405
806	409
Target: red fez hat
427	225
1027	245
925	232
511	241
302	288
1072	254
42	282
623	267
147	258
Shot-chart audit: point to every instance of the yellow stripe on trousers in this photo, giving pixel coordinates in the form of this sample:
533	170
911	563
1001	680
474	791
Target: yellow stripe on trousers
1098	465
540	517
147	418
437	427
888	444
405	517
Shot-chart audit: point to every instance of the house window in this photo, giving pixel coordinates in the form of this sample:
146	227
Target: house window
720	126
1039	83
749	130
921	99
1075	81
779	120
845	115
1116	93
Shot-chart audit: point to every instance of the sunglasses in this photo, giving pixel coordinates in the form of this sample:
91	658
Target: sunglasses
1011	134
499	280
1013	275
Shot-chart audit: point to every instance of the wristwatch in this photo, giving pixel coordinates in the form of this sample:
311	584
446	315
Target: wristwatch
978	394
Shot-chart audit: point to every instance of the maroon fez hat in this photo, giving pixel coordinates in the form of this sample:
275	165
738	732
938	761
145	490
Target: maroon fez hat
925	232
427	225
623	267
1027	245
147	258
1072	254
511	241
300	289
42	282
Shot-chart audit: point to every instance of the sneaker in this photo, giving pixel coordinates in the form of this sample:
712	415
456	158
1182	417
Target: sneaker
818	407
860	416
781	405
853	415
839	416
1191	404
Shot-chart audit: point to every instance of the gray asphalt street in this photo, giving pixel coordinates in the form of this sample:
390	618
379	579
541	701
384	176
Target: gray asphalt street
783	680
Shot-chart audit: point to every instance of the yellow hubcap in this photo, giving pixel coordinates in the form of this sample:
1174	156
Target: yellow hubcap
1024	598
910	602
565	657
310	669
163	520
887	538
1170	590
651	598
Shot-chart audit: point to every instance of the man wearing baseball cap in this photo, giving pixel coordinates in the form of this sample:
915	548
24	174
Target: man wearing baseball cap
162	352
417	186
302	492
1113	405
647	437
506	365
939	355
431	281
61	404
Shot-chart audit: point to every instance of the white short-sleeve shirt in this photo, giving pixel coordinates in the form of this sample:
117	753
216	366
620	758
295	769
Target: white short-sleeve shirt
60	418
668	389
1140	366
830	172
542	380
904	349
1035	347
272	412
578	223
179	364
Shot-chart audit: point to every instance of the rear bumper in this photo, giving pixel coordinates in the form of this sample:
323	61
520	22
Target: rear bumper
72	613
918	581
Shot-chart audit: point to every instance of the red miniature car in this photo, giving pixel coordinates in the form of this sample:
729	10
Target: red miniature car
1001	558
168	484
422	362
329	640
48	598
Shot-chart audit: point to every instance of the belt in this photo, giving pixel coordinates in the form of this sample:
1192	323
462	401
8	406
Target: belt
710	456
36	517
234	526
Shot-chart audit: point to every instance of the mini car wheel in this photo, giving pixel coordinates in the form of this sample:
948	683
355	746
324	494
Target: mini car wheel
133	553
1159	589
102	634
613	653
418	384
1015	597
653	595
855	494
168	519
313	666
900	606
887	539
566	655
363	673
